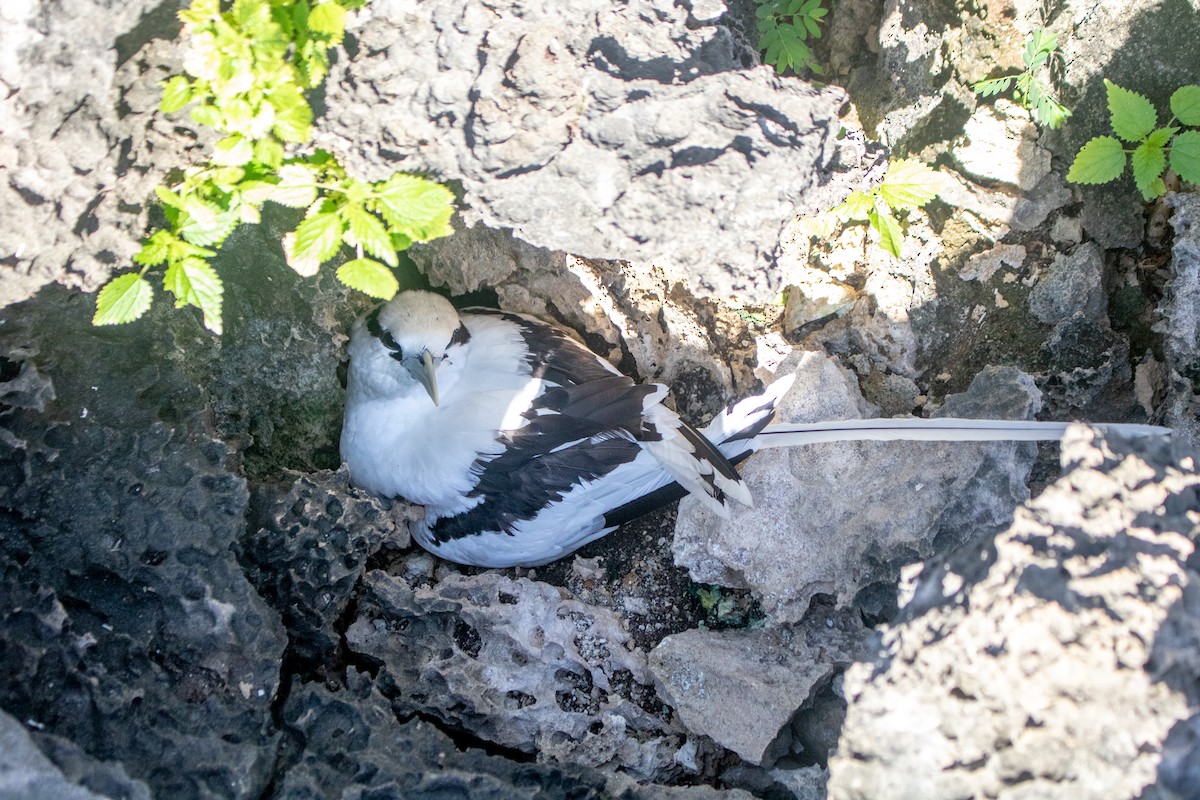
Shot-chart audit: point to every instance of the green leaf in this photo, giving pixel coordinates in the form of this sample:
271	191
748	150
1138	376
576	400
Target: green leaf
369	276
857	205
416	207
123	299
268	152
293	123
329	20
908	184
315	241
168	197
1099	161
1185	156
1185	104
1051	113
206	115
1133	116
297	187
155	250
1039	47
177	93
1161	136
365	229
1148	161
891	236
233	151
204	223
993	86
194	282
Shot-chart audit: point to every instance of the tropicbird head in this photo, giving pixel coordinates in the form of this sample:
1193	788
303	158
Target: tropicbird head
420	330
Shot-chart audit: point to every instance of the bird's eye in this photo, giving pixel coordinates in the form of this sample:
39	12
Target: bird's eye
461	335
385	337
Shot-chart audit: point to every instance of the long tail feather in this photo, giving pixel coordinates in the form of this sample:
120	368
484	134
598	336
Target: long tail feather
943	429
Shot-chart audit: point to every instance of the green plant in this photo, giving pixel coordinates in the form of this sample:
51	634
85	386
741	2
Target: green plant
248	68
784	27
907	185
1134	120
1030	90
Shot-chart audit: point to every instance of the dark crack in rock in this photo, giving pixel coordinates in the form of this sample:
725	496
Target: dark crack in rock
308	553
128	626
350	745
638	123
1052	661
518	663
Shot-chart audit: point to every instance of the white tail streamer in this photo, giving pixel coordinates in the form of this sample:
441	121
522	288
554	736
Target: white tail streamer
943	429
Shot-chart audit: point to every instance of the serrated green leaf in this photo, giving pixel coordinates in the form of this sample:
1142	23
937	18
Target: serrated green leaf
419	208
369	276
194	282
891	235
1099	161
315	241
1185	156
268	152
206	115
1185	104
168	197
1161	136
1148	162
155	250
177	93
857	205
328	19
364	229
1133	116
123	299
233	151
909	184
293	123
203	223
248	214
297	187
993	86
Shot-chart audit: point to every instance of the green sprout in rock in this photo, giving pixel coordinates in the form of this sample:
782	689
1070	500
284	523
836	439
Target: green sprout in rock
908	185
1031	90
1151	148
784	28
249	65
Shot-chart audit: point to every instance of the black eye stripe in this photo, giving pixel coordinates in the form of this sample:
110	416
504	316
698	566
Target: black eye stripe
461	335
376	330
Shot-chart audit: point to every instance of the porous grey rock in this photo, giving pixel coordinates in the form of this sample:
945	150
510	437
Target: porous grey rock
1072	285
354	748
308	553
1080	361
840	519
1180	324
743	688
128	626
521	664
27	774
1052	661
631	132
81	142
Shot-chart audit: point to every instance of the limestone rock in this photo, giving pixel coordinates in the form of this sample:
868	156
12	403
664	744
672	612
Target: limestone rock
629	133
839	519
742	688
521	664
1053	661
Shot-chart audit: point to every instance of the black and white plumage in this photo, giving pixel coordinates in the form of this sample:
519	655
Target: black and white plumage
523	445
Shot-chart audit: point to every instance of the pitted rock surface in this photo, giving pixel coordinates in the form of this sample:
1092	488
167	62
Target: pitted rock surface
126	623
1053	661
520	664
628	132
